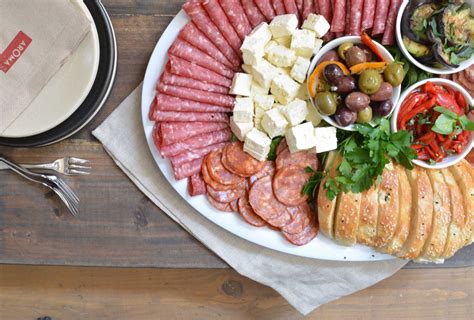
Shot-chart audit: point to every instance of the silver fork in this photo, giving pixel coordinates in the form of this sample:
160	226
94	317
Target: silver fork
52	182
68	166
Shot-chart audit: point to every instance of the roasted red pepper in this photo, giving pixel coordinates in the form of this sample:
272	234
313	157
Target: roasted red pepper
422	108
372	46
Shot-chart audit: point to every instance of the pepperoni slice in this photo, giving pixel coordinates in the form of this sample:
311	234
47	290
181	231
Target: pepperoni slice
217	170
225	196
265	204
234	205
221	206
305	236
247	213
302	216
211	182
236	160
281	146
288	185
267	170
301	159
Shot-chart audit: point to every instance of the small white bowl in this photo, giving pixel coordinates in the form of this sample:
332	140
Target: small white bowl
450	160
334	44
463	65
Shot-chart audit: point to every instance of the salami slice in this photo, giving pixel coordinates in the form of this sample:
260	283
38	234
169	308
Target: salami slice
288	185
234	205
201	19
174	116
196	185
267	170
217	15
253	13
389	33
165	102
356	17
225	195
266	8
194	154
348	17
291	8
172	132
247	213
281	146
221	206
381	13
236	160
308	7
299	5
279	7
305	236
338	23
210	98
156	135
218	172
187	69
194	36
186	51
324	7
234	11
301	218
368	14
300	159
196	142
213	183
265	204
187	169
172	79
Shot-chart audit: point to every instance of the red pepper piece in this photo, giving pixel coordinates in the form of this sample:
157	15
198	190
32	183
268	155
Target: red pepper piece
460	100
427	137
422	108
410	102
372	46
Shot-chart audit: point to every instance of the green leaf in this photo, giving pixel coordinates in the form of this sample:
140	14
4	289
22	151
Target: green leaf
466	123
345	168
234	138
273	147
444	124
446	112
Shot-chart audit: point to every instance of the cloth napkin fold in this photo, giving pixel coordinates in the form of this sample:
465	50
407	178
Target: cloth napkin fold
305	283
36	38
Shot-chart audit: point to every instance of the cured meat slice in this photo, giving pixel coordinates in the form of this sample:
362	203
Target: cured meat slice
213	183
279	7
288	185
356	17
194	154
172	79
389	33
299	5
267	170
368	14
172	132
225	195
218	172
173	116
201	19
300	159
265	204
186	51
338	23
196	142
281	146
156	135
301	216
234	11
236	160
247	213
266	8
252	12
187	169
221	206
308	7
217	15
305	236
211	98
165	102
196	185
234	205
348	17
291	8
194	36
187	69
324	7
381	13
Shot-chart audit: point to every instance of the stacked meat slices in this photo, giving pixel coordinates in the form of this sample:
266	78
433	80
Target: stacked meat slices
264	193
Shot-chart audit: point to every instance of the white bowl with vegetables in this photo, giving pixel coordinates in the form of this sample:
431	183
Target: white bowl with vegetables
353	81
437	38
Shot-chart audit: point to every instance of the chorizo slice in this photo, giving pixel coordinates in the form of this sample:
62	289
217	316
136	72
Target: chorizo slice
237	161
247	213
267	170
301	159
211	182
218	172
226	196
288	185
234	205
301	215
221	206
281	146
305	236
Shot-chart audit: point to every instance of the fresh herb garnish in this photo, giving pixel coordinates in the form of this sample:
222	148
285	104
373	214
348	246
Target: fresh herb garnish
273	147
310	187
447	122
234	138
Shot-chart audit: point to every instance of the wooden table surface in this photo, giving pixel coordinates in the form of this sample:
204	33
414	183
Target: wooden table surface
119	227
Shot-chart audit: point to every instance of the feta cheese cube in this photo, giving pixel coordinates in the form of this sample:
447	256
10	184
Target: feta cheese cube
247	68
274	123
257	144
259	112
243	110
284	89
316	23
263	101
252	50
300	137
263	72
256	88
284	41
241	84
283	25
302	42
303	91
300	68
313	114
279	55
261	33
240	129
269	46
325	139
318	43
282	70
295	111
258	124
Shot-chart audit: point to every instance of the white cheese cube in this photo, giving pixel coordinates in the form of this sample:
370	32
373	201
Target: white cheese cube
303	42
325	139
283	25
282	70
284	89
316	23
263	72
258	124
261	33
284	41
259	112
256	88
241	84
303	92
280	56
300	137
247	68
252	50
257	144
263	101
240	129
300	68
295	111
313	114
318	43
274	123
243	110
269	46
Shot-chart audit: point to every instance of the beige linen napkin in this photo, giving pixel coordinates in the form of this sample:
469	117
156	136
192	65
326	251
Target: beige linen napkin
305	283
36	38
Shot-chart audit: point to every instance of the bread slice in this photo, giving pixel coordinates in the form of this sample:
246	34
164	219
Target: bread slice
367	228
325	206
422	213
388	200
404	217
347	218
470	170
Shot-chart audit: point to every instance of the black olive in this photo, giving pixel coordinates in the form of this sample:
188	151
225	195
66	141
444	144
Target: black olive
346	84
333	73
383	108
344	116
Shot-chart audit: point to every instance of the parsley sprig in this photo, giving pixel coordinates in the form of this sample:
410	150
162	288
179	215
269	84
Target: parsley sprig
447	121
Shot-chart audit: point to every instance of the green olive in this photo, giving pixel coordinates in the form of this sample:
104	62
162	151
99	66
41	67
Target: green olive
394	74
365	115
322	85
326	102
343	48
369	81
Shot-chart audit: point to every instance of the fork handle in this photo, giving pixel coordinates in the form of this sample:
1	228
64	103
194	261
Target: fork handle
46	166
21	171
